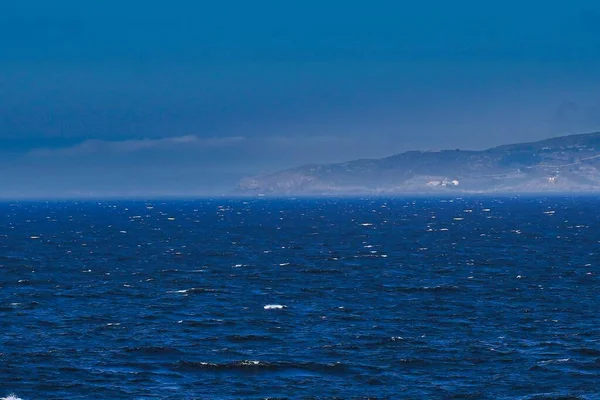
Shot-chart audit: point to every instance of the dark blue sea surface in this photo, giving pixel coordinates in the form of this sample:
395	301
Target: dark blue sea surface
336	298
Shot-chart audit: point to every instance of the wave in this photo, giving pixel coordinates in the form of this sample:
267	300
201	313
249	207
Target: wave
415	289
11	397
195	290
153	350
321	271
262	366
209	322
586	351
554	396
274	307
250	338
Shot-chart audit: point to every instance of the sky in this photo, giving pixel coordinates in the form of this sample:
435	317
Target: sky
156	98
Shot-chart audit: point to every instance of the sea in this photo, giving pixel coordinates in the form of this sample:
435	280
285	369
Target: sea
372	298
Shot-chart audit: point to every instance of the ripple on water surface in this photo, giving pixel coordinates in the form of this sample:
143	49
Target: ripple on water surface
430	298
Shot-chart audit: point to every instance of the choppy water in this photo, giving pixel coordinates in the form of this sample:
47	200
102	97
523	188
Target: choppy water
223	299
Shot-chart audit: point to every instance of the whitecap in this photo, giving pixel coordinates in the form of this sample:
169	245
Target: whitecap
274	307
557	361
191	290
11	397
183	291
250	362
366	224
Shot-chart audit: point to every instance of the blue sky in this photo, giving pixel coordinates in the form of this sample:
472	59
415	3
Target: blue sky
151	98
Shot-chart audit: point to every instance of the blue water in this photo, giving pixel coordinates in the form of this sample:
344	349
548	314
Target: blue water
382	298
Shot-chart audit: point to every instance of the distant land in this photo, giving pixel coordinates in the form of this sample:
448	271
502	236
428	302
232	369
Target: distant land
562	164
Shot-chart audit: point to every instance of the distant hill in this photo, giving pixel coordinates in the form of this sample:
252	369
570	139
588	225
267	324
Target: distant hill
567	163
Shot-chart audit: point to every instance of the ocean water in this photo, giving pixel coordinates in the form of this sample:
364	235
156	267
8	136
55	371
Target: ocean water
337	298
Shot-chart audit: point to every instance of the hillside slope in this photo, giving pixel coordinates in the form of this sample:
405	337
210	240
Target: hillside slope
568	163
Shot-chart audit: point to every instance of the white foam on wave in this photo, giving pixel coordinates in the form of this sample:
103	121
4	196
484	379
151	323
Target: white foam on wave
557	361
274	307
11	397
191	290
250	362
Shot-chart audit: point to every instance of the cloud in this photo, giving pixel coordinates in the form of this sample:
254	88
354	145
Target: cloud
95	146
181	165
232	153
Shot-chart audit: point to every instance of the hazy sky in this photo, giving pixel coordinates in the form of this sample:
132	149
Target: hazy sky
172	97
